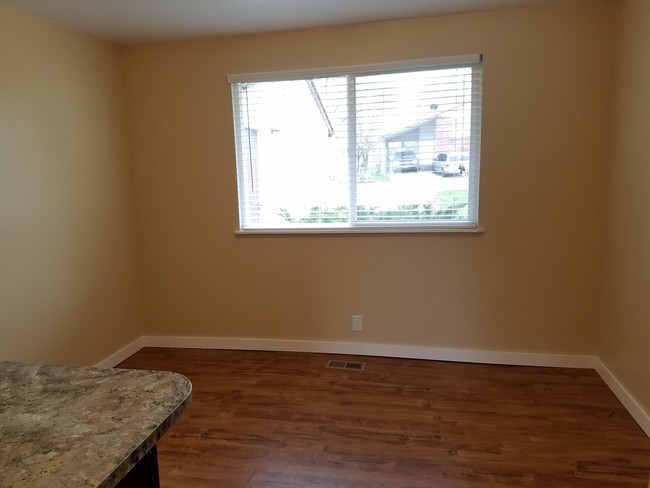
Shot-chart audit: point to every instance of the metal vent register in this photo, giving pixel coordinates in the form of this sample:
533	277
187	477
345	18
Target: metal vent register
349	365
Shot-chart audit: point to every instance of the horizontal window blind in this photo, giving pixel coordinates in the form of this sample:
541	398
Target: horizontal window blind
374	147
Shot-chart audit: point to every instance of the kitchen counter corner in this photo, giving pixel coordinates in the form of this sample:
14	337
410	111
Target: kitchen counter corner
81	427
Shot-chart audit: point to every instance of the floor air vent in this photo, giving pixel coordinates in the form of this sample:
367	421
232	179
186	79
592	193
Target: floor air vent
349	365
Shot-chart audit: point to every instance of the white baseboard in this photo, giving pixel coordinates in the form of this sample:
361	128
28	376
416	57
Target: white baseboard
122	354
626	398
369	349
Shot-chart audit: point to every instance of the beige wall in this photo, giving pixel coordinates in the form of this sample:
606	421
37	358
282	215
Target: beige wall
69	284
530	283
625	345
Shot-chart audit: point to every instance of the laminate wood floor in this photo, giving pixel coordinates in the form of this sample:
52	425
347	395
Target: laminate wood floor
282	420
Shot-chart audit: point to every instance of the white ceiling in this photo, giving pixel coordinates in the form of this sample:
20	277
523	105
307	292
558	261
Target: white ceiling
128	21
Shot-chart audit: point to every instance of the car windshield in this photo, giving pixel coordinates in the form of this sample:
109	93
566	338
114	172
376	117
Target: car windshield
459	157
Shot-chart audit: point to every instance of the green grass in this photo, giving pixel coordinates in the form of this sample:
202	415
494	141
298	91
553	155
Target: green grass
450	205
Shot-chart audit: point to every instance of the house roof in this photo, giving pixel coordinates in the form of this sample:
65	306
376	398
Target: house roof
410	128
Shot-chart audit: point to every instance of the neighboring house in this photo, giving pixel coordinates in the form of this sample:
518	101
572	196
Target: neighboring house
426	138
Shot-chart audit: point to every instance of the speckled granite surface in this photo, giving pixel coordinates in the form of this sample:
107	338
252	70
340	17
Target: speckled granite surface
74	427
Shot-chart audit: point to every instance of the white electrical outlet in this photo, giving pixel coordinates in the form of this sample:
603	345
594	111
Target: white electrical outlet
357	323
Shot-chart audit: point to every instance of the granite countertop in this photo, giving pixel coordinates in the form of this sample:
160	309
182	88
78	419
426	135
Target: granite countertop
74	427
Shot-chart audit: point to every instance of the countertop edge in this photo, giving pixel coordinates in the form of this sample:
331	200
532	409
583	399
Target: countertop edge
139	452
82	426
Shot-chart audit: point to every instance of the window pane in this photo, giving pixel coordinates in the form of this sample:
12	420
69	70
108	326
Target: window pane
414	131
368	150
299	172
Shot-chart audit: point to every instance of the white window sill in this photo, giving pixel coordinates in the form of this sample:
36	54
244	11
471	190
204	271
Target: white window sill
363	230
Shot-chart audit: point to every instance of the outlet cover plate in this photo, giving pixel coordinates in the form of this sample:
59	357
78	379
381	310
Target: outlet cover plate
357	323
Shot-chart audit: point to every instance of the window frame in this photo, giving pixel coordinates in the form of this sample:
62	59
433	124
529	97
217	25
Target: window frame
471	225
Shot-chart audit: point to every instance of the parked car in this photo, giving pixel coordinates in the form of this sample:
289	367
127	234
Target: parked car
451	163
404	159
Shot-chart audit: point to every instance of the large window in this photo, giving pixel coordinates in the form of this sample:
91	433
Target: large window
366	148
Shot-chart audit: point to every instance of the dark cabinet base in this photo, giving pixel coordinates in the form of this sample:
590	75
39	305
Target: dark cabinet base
144	474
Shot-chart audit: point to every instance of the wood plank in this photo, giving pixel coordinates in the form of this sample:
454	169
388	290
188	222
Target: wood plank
281	419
